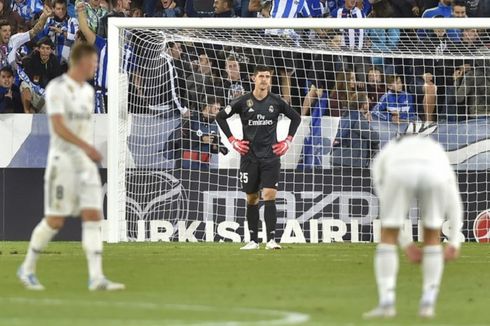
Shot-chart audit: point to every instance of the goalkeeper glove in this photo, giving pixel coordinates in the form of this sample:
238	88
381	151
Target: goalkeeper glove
282	147
241	146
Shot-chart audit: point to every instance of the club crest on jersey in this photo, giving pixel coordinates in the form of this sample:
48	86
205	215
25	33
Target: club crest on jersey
250	103
271	108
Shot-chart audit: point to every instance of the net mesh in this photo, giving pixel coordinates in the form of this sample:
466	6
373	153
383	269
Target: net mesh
355	89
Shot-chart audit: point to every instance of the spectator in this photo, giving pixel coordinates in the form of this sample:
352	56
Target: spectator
168	8
61	29
458	11
396	105
353	38
203	139
201	83
199	8
433	74
285	60
443	9
363	5
120	9
27	9
10	100
41	67
136	12
223	8
375	86
16	42
233	85
317	8
343	97
94	12
12	17
356	142
472	85
5	33
383	40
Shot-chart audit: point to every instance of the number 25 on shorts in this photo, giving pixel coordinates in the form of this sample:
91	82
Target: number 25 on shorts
244	177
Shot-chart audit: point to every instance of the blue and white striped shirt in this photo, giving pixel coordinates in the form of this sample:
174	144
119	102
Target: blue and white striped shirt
289	8
353	38
28	8
62	44
101	74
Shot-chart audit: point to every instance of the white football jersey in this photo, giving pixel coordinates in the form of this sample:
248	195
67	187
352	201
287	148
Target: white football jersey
417	165
75	102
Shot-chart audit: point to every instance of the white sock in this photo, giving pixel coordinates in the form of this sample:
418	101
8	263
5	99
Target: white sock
41	235
386	269
432	268
92	244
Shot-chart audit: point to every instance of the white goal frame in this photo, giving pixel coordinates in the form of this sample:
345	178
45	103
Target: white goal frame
116	204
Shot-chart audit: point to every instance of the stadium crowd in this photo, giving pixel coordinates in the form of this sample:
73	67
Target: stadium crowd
36	38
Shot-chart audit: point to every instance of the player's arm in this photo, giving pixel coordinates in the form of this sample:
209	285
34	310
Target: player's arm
59	127
83	23
455	217
241	146
282	147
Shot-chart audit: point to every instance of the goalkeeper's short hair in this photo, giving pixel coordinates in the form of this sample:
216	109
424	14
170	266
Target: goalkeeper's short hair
262	68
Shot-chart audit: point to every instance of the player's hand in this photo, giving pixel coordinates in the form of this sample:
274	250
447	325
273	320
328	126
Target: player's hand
241	146
282	147
9	94
450	253
414	253
93	153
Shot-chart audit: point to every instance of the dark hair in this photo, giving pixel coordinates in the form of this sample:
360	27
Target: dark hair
45	41
81	50
262	68
4	22
231	58
391	79
60	2
8	70
459	3
114	3
211	99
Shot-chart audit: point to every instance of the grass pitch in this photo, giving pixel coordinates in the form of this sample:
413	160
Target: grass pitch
216	284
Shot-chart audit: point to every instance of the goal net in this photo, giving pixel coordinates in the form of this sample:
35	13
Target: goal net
173	175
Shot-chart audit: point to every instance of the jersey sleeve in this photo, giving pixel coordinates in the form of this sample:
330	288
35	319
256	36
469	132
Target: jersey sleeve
293	116
54	100
227	112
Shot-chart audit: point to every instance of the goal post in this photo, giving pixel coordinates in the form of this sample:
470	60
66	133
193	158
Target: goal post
153	196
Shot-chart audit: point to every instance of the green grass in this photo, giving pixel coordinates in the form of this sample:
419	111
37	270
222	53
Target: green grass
215	284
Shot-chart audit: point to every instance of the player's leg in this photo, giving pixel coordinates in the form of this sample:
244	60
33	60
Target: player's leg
269	176
58	203
394	196
432	202
249	178
92	245
253	221
42	234
270	216
432	269
90	207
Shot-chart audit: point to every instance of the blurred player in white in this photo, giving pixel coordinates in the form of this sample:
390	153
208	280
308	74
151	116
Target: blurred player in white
72	181
414	167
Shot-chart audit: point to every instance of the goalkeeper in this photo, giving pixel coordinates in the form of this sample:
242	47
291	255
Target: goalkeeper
260	163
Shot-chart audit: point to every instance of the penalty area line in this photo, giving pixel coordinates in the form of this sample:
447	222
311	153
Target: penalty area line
278	317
